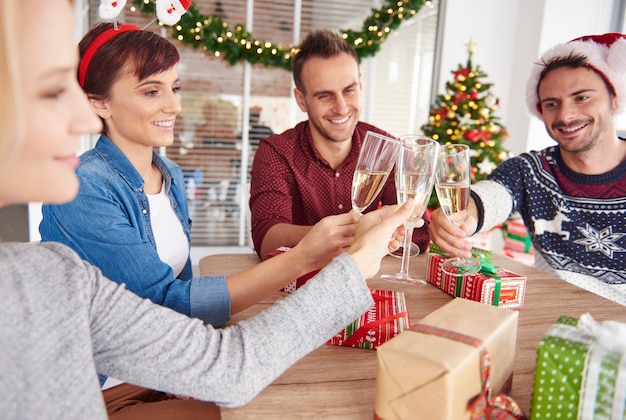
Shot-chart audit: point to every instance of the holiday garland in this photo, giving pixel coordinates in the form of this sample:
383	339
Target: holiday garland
235	44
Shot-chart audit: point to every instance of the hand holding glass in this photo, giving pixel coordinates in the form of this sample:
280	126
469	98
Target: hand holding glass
415	169
376	159
453	191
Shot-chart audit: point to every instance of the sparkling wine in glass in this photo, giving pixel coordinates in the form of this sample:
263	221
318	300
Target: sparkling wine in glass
376	160
415	176
453	191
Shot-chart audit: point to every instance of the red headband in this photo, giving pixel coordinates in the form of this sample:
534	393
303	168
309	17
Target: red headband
95	45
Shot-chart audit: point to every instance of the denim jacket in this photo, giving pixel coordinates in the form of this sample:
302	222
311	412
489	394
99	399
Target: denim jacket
108	224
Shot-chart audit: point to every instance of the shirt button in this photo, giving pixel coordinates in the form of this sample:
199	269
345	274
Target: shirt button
340	206
144	211
337	174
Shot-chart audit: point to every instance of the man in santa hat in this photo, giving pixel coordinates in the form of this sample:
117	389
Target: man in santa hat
571	196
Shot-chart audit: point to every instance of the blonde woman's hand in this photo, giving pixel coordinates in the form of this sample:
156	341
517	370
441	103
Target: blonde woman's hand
378	233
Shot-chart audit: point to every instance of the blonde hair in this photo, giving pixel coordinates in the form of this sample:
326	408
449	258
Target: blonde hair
11	121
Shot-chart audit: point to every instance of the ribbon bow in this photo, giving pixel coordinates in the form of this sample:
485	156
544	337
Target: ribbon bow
488	269
609	334
484	406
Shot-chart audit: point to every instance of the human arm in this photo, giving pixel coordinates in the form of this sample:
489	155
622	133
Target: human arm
281	234
271	200
110	230
290	191
490	203
230	366
325	240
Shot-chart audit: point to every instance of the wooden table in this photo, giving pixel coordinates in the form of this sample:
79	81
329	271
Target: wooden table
339	382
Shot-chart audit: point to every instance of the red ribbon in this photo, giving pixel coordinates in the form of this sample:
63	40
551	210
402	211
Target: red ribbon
484	406
360	333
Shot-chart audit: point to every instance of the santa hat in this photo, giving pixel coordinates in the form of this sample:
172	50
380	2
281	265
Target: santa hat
170	11
606	54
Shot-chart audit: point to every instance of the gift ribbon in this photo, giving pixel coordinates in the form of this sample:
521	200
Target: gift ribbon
524	239
484	406
608	337
488	269
363	329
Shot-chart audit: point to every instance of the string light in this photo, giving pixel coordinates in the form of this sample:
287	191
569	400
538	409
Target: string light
212	34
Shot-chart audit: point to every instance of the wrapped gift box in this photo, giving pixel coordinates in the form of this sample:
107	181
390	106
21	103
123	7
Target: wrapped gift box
492	285
387	318
516	237
517	244
521	257
297	283
439	369
581	371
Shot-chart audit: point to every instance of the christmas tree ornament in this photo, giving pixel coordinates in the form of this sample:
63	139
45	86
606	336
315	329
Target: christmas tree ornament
169	12
605	54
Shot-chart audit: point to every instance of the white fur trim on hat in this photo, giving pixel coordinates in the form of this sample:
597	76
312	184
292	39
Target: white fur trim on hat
609	61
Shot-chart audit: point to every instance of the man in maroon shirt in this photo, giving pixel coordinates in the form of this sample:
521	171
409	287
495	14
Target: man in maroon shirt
303	175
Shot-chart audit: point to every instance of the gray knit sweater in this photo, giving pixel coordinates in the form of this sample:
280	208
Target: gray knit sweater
61	322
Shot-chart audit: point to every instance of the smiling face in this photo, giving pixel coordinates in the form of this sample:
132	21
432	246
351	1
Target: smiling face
577	108
56	111
140	114
331	97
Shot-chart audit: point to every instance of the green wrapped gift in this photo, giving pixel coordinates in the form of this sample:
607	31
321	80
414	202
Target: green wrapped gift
581	371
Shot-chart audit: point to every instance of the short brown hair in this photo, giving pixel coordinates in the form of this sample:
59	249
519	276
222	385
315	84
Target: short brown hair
320	43
147	53
573	60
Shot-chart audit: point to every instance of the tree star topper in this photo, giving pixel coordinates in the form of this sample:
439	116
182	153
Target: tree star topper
471	46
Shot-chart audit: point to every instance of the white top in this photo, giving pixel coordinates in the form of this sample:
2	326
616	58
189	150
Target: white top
171	242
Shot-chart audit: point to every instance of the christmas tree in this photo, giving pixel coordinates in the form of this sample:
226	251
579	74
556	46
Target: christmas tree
465	114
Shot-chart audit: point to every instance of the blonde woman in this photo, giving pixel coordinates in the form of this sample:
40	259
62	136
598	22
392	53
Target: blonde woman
61	321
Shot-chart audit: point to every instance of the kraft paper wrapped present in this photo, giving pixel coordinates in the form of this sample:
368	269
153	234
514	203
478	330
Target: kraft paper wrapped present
492	285
297	283
446	366
387	318
581	371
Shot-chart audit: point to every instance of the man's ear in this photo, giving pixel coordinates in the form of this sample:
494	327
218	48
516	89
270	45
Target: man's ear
300	99
100	107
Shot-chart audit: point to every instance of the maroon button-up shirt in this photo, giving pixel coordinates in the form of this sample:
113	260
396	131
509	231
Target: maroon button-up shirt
292	183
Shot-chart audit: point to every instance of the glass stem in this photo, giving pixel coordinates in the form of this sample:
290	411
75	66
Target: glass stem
406	252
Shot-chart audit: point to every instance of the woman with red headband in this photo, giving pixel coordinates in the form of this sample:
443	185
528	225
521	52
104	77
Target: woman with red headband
62	321
130	218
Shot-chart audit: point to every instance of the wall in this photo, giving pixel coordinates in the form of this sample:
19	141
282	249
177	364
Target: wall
510	35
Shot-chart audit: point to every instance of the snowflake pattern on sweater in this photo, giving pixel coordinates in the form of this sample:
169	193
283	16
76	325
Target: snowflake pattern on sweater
576	221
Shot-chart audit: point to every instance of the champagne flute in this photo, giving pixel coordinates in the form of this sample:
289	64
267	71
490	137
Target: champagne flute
376	159
453	191
415	170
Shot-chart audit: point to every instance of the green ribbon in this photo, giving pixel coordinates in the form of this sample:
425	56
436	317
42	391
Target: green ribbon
525	239
488	269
